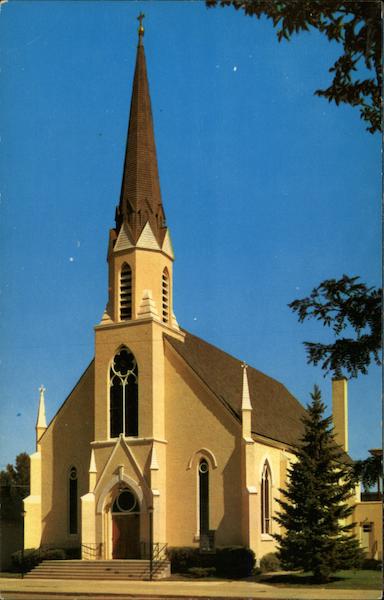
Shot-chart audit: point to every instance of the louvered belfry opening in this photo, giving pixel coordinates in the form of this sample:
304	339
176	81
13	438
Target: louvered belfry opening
125	293
165	296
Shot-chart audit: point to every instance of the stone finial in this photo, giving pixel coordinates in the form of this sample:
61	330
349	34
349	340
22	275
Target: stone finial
245	399
147	308
154	466
92	472
92	463
41	419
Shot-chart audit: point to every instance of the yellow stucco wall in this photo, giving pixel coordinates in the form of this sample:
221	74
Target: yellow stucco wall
147	267
370	513
66	443
196	421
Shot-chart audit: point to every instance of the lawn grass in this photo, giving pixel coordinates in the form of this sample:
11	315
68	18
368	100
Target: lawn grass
348	580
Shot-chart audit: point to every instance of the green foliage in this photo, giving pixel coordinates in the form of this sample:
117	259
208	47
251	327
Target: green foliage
369	471
14	485
234	562
270	563
339	304
371	564
314	507
228	561
73	553
343	580
31	557
354	25
201	572
183	558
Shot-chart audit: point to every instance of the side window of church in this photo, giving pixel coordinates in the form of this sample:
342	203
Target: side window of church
165	296
72	494
123	380
204	496
266	499
125	293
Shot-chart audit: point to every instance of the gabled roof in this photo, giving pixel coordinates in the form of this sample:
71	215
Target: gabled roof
276	413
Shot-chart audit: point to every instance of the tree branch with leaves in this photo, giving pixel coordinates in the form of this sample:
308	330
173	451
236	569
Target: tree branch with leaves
341	304
357	73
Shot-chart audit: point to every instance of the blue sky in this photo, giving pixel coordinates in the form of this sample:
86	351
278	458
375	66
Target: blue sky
267	189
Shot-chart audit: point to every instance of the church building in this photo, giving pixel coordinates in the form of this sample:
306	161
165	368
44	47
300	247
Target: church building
165	440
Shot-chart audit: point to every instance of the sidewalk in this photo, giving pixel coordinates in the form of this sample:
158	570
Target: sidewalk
43	588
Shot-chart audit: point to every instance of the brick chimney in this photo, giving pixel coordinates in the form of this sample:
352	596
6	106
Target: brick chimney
340	411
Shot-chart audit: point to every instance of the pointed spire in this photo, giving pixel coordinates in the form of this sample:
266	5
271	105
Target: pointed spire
154	466
246	409
92	463
245	399
92	472
140	199
41	422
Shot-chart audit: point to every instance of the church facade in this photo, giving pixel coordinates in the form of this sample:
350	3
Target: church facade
165	439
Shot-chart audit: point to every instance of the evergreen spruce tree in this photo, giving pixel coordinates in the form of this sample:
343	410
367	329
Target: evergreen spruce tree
314	508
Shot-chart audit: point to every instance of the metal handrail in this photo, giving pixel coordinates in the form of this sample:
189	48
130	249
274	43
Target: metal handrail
91	551
159	551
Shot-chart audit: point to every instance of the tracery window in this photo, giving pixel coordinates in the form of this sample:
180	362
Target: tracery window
165	296
266	497
204	496
123	380
125	292
72	496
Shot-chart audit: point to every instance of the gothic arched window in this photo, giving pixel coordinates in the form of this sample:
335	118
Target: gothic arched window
125	292
204	496
72	497
266	499
165	296
123	381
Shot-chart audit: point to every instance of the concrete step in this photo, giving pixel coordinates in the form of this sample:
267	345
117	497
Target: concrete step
99	569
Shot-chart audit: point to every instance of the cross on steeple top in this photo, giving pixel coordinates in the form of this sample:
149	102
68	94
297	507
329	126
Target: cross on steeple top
141	27
42	389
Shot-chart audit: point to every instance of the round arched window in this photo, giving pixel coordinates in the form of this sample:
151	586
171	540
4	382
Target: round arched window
125	502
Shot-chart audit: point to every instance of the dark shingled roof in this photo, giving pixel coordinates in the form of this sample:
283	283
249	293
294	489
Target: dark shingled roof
140	199
276	413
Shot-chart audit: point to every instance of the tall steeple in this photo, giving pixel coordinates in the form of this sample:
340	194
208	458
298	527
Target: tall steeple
140	253
140	198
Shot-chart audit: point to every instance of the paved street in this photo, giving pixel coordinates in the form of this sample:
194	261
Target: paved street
54	589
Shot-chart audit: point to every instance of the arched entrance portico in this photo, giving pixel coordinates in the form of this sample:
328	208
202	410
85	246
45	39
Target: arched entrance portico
125	512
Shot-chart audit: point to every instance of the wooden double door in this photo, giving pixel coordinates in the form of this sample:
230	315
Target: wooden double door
126	535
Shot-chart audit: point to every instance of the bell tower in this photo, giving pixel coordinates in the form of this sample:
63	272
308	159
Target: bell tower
140	278
129	385
140	254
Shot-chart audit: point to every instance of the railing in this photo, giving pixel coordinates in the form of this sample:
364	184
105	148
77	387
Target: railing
159	551
91	551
